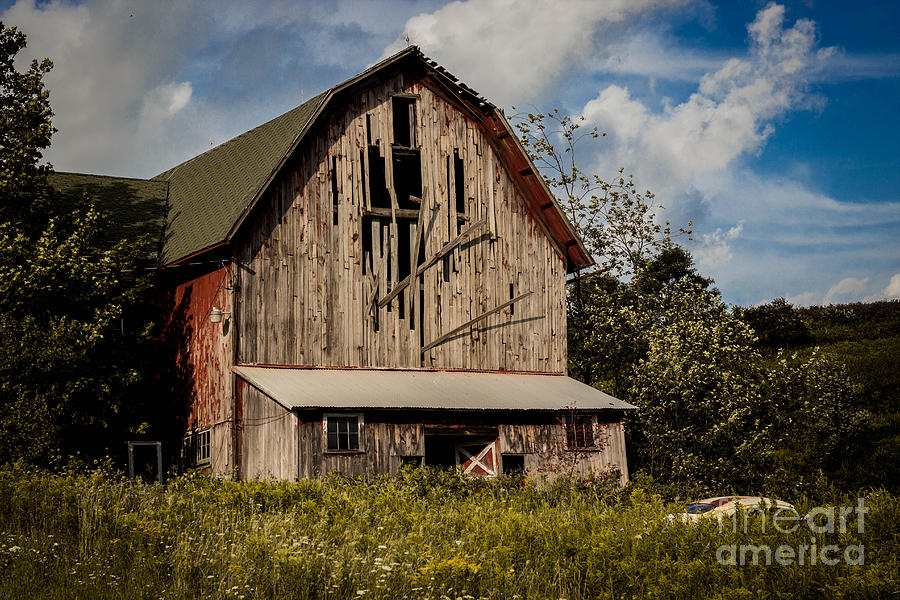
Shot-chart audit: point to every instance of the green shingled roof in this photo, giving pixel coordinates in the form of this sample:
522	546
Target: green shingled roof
134	207
209	193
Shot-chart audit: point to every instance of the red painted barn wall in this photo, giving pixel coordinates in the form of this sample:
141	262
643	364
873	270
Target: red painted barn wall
205	359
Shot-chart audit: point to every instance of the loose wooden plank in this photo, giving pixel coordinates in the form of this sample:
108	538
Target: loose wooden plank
480	317
424	266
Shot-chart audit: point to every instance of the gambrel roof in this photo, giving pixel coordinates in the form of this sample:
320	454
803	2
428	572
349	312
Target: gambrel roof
210	195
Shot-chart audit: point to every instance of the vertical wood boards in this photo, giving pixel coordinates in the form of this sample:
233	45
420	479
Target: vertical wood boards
304	298
269	436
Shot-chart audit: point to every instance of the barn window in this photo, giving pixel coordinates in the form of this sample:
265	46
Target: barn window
580	431
342	432
196	447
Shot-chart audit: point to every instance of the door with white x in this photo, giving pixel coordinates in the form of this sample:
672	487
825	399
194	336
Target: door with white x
478	458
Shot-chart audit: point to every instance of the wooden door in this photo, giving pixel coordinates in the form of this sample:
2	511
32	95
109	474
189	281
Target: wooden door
478	458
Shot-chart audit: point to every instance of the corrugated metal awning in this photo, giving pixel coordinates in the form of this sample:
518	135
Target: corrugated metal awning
448	390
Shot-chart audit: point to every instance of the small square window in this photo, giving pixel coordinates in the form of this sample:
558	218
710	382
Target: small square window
342	433
580	431
197	446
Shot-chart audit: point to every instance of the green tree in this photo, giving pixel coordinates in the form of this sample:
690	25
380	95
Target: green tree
25	130
615	219
64	375
777	325
650	329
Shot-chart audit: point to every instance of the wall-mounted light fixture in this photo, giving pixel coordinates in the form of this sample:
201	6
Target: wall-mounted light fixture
215	315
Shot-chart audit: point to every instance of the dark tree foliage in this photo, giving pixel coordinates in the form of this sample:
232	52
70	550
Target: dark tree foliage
67	357
777	325
661	272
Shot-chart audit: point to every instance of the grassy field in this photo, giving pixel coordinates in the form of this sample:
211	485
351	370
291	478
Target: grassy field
422	534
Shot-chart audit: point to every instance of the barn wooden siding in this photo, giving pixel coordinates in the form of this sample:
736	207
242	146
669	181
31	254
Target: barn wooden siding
206	359
268	434
278	443
543	445
310	288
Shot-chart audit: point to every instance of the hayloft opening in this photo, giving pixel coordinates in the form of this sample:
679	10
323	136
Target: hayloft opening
404	108
407	178
378	192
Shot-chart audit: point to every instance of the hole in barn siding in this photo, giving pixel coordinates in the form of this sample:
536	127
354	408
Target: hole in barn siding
334	191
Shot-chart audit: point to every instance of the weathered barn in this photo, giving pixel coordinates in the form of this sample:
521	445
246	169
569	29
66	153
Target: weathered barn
376	277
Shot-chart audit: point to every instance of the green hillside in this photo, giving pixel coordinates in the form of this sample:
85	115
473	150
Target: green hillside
865	337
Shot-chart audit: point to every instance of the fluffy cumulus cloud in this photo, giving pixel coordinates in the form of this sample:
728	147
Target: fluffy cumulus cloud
892	290
758	236
731	113
112	76
846	290
714	251
513	50
138	87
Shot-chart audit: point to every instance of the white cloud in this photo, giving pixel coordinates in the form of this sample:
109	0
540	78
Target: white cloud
690	154
714	251
804	299
731	114
511	51
650	54
111	88
848	289
139	86
167	99
893	287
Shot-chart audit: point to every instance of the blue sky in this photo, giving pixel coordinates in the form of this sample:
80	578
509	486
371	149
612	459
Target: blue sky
773	126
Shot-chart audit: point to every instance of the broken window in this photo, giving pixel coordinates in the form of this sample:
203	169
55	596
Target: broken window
580	431
196	447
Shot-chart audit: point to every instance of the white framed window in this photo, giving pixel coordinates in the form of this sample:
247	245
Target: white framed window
580	431
197	446
343	432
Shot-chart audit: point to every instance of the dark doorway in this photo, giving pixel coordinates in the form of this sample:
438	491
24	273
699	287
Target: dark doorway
513	464
440	450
